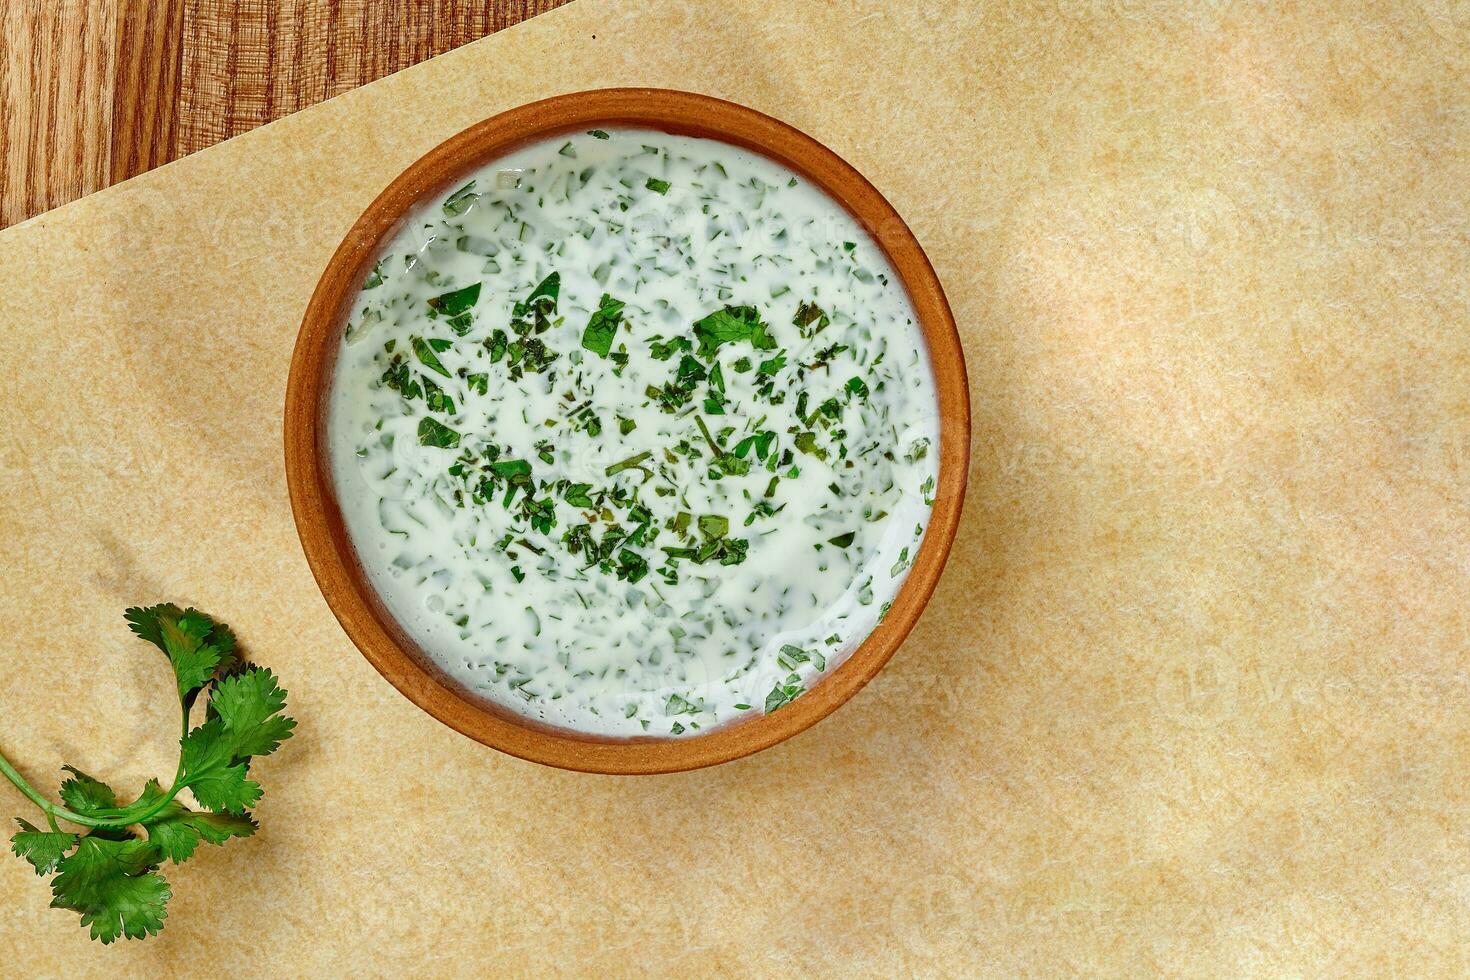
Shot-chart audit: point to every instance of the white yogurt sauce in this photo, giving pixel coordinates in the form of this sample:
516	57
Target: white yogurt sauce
635	433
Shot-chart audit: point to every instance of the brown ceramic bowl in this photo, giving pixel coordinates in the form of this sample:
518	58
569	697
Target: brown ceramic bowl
331	555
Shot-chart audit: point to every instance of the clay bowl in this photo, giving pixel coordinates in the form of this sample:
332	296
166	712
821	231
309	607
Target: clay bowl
319	522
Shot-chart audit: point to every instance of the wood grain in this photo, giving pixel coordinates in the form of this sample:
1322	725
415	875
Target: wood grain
95	91
57	73
145	94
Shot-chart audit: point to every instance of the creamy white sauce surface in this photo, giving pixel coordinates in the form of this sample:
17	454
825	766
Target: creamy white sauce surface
635	434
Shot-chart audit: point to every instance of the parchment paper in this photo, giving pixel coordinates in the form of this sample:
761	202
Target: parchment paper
1193	695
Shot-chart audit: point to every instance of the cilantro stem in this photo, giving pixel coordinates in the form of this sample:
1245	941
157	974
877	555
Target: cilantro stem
629	464
178	783
704	429
146	815
52	810
113	818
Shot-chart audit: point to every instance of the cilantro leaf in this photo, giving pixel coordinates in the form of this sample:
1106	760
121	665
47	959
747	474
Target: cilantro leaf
806	315
456	301
730	325
113	885
147	622
244	721
807	443
543	297
426	352
783	694
432	432
577	495
598	337
86	795
791	655
42	848
250	706
435	400
512	469
660	351
196	645
459	202
177	831
679	705
212	773
402	380
110	876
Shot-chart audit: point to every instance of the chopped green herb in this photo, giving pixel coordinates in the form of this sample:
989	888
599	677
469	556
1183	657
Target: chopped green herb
425	351
632	462
782	695
458	301
432	432
730	325
598	337
526	397
543	298
807	443
714	526
459	202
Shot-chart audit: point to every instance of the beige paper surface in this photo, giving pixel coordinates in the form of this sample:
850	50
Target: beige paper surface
1194	694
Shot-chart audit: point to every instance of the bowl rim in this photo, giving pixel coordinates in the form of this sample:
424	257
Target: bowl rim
333	561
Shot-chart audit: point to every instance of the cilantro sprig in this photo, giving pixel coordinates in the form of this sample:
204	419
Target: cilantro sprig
109	873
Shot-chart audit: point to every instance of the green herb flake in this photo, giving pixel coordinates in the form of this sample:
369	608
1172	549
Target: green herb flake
427	350
598	336
432	432
782	695
807	443
459	202
733	324
632	462
457	301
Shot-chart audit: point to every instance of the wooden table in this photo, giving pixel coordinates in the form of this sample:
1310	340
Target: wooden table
95	91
